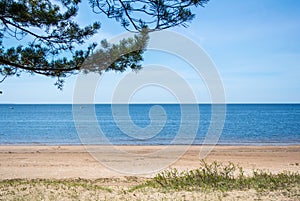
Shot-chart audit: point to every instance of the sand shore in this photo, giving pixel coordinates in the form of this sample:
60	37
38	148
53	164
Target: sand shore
61	162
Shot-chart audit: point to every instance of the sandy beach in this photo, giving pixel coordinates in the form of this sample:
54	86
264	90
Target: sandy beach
71	173
61	162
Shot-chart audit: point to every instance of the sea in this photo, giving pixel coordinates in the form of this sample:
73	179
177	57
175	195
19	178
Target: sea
149	124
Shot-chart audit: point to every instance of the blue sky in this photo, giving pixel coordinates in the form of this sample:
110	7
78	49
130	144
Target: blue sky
255	46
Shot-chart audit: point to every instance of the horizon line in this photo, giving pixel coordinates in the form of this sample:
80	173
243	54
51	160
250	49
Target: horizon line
142	103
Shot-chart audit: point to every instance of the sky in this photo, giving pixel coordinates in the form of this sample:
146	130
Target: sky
255	46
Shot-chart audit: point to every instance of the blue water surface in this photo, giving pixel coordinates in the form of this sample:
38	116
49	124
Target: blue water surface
245	124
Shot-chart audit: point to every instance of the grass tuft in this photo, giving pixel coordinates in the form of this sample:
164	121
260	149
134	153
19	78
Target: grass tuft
217	176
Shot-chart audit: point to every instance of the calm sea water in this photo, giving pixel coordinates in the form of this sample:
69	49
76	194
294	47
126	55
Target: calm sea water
245	124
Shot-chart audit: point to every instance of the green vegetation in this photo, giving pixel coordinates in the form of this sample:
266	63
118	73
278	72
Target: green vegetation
217	176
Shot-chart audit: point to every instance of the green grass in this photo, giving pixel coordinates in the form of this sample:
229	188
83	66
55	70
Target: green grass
217	176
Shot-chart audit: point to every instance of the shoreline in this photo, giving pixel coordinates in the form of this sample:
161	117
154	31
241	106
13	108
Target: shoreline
63	162
192	145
